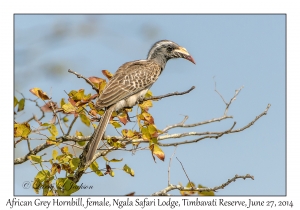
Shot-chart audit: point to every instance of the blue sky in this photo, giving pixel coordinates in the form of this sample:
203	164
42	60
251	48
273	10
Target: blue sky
233	50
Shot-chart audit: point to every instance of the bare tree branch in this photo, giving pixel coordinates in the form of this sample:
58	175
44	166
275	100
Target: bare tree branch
253	121
215	135
182	125
170	94
222	186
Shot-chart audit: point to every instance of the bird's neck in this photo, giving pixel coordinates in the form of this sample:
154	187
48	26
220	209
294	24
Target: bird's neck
160	60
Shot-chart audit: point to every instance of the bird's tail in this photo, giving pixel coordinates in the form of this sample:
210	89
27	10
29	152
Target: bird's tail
98	134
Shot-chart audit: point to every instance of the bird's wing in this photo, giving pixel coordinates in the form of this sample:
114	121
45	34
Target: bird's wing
130	78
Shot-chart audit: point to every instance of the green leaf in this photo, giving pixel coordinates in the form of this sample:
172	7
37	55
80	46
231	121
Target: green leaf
105	158
68	108
15	101
85	120
145	133
74	163
111	173
62	102
35	158
79	95
36	185
115	124
43	175
115	160
94	166
65	119
53	130
152	129
66	187
205	193
148	94
65	150
128	170
54	154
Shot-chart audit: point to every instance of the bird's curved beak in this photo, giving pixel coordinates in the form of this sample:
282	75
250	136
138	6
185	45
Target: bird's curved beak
185	54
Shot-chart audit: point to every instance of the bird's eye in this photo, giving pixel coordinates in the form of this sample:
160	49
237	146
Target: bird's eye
169	49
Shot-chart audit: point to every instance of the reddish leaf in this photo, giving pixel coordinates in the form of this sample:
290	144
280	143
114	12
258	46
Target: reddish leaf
93	112
123	118
48	106
108	169
72	101
148	117
107	74
96	80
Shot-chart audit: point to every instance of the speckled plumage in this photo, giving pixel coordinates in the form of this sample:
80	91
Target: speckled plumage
131	82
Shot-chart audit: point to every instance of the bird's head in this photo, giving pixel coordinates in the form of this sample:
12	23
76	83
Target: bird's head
164	50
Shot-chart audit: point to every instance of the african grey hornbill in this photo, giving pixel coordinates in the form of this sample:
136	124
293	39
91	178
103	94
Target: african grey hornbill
131	82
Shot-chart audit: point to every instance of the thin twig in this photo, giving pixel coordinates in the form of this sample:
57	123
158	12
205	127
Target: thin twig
253	121
169	168
36	104
86	79
199	139
184	170
71	125
55	113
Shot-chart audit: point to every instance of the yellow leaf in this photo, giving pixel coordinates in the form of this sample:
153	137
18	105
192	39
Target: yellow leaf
68	108
102	86
62	102
205	193
54	154
78	133
155	149
35	158
105	158
85	120
15	101
116	160
79	95
65	150
115	124
21	104
146	104
36	185
152	129
53	130
111	173
39	93
107	74
94	166
148	94
145	134
65	119
130	134
128	170
21	130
